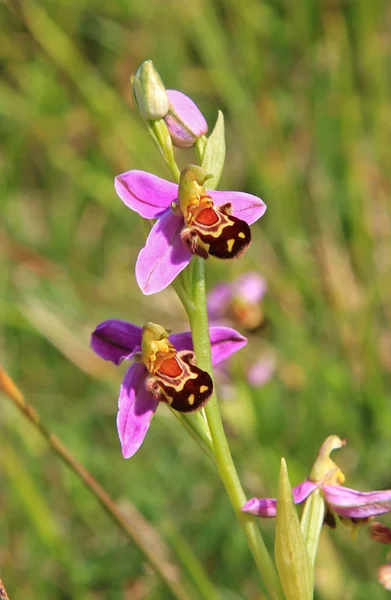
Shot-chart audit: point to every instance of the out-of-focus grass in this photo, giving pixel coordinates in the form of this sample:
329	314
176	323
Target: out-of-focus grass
305	88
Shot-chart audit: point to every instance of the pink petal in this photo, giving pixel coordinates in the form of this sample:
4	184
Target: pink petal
164	255
247	207
145	193
359	505
135	410
224	341
184	120
116	340
261	507
266	507
303	490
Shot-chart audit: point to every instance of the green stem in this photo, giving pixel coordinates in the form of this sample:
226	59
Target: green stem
182	294
198	428
198	318
199	148
161	135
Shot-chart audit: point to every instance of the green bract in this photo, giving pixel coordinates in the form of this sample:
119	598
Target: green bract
292	560
214	153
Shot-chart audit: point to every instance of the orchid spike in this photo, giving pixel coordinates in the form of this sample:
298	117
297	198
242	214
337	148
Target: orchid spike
205	222
164	370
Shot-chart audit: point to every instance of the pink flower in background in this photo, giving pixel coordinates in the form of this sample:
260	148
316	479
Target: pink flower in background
261	371
238	301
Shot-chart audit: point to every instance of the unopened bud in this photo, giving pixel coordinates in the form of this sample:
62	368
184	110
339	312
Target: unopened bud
184	120
149	92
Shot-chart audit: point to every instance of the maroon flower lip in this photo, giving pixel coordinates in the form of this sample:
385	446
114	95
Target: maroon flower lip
164	254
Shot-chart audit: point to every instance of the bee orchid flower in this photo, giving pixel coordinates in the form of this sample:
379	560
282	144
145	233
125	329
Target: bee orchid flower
191	220
163	370
352	506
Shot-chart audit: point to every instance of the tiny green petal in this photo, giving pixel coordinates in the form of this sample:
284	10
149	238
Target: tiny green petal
291	556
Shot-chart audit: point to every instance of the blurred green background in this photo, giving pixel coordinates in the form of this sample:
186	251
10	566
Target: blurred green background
305	89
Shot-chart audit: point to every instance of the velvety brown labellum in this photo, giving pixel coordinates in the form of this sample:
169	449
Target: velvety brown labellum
180	383
217	233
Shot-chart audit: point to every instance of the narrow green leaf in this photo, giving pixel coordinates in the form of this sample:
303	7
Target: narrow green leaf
214	154
311	522
291	556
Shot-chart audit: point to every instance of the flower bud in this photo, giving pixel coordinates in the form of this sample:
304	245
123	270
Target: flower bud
184	120
149	92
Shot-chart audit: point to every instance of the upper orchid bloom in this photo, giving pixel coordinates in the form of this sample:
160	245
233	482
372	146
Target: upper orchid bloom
238	300
164	371
191	220
184	120
347	503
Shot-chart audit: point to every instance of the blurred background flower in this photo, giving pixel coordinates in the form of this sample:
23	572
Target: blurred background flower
238	303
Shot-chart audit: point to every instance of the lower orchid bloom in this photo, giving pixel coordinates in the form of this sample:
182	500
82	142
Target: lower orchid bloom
164	370
350	505
191	220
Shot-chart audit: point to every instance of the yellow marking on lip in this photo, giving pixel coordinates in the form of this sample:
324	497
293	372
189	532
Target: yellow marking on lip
191	399
203	388
230	244
241	234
